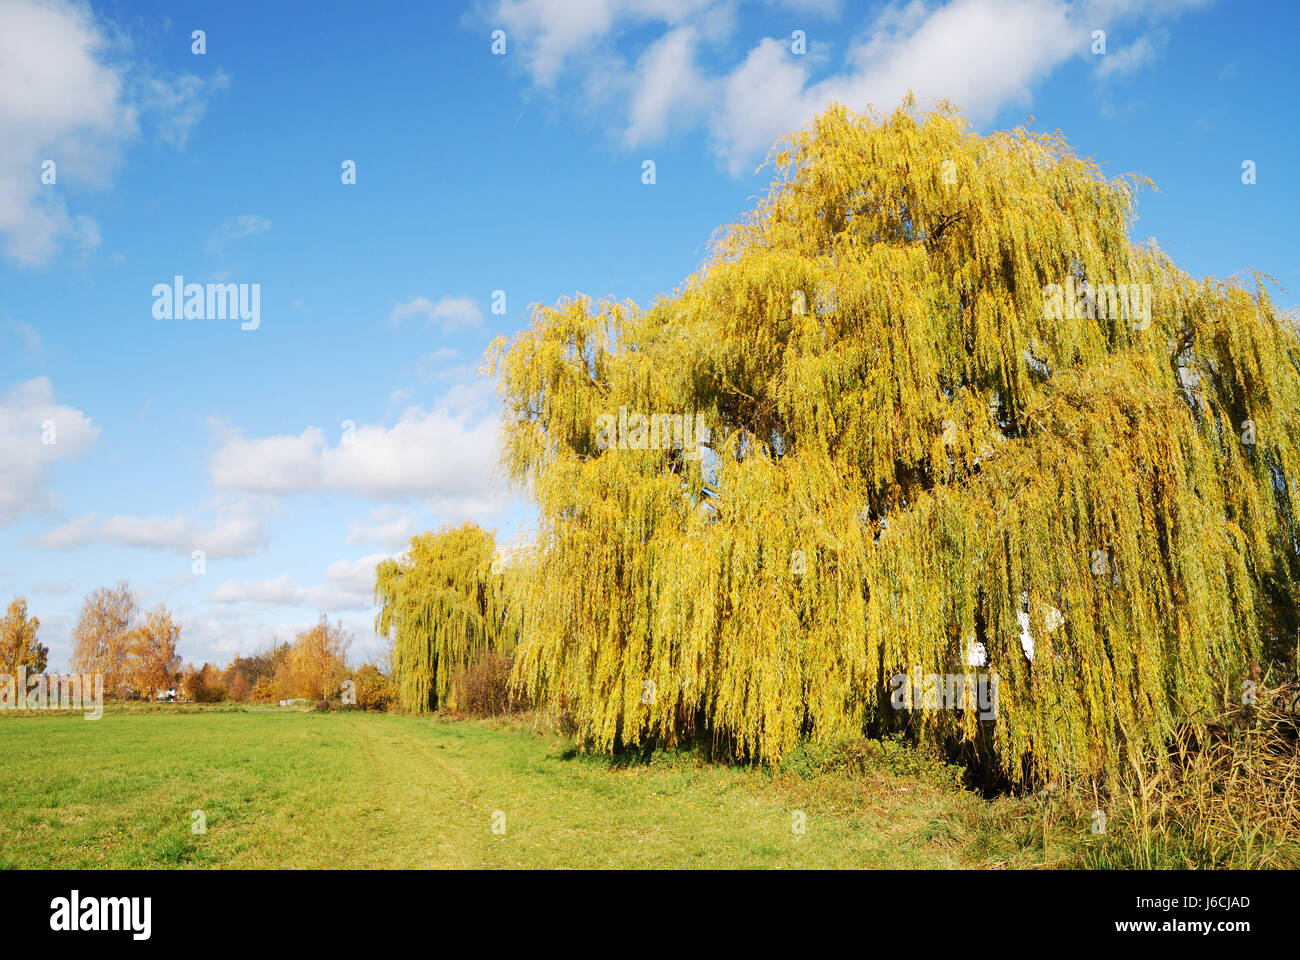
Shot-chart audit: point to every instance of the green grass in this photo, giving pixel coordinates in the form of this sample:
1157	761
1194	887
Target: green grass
348	789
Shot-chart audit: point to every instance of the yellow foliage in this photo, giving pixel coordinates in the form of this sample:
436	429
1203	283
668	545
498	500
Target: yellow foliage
443	606
18	644
920	442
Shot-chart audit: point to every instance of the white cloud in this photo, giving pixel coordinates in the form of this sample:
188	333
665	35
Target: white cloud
217	639
347	585
228	529
278	592
552	32
983	55
53	588
58	101
445	459
245	225
29	417
762	98
68	94
451	313
668	87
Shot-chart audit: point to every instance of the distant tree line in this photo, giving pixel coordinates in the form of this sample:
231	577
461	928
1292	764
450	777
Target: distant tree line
137	653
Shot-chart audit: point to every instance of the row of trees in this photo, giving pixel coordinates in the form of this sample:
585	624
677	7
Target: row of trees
314	666
915	463
136	651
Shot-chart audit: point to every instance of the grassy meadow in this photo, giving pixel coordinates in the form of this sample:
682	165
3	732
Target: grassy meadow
285	788
295	788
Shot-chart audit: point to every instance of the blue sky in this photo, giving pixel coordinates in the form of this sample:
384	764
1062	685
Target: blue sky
475	173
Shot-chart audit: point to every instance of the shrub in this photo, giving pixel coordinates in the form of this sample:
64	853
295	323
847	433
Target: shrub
483	689
893	755
322	706
373	690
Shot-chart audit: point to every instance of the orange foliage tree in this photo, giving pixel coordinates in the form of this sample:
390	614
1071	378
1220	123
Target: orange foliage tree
18	644
151	660
316	664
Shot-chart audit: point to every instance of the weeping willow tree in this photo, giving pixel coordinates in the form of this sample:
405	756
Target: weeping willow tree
442	605
956	424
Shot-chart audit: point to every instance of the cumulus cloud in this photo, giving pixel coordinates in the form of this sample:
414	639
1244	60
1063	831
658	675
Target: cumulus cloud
346	585
450	313
983	55
69	95
227	529
550	33
59	101
443	458
668	86
35	432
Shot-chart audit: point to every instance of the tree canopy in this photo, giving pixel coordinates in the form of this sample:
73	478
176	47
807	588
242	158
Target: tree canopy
99	638
18	644
956	422
443	606
152	662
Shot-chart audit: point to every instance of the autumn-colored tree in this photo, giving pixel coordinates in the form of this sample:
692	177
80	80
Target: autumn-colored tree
947	419
202	685
99	636
316	664
263	691
238	678
443	606
208	685
259	665
18	644
237	686
189	683
151	661
373	690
